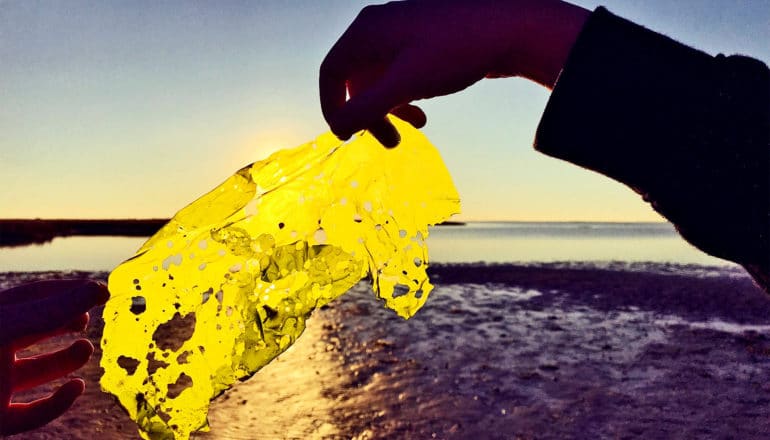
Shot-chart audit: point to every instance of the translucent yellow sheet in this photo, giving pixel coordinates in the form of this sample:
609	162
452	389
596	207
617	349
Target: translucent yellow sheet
228	283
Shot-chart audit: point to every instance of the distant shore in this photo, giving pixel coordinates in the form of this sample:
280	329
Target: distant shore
23	232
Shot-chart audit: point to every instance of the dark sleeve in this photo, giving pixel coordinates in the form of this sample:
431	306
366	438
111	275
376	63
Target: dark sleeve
688	131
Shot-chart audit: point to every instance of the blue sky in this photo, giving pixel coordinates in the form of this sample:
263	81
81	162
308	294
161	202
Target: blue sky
133	109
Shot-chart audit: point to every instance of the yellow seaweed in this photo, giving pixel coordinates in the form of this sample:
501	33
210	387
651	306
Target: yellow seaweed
227	284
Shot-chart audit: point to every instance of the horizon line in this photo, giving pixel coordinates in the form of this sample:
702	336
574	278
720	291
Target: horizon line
166	219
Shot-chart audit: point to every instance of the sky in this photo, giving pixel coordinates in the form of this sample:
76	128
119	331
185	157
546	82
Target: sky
115	109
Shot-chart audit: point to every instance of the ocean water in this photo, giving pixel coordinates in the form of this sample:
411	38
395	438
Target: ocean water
498	242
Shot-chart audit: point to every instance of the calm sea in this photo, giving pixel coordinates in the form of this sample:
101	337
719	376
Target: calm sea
502	242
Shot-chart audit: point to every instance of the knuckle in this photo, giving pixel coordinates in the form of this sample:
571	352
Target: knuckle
330	64
325	67
368	12
375	13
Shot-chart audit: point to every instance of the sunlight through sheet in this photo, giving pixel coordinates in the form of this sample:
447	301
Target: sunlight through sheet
228	283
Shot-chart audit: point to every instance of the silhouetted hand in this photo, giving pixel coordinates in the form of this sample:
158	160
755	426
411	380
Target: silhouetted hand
403	51
28	314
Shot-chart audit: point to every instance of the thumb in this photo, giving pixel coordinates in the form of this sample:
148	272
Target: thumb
366	110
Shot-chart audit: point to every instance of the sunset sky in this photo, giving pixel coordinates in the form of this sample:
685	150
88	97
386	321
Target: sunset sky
133	109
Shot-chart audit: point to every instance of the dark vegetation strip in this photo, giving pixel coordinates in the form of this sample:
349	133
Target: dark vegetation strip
25	232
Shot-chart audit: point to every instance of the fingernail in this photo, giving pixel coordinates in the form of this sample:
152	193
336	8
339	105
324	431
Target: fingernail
76	385
392	142
79	324
342	134
389	138
343	138
83	347
338	127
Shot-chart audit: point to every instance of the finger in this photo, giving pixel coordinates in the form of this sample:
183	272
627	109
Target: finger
398	85
48	313
34	371
20	417
335	72
39	289
385	133
7	358
365	43
383	130
77	325
411	114
333	90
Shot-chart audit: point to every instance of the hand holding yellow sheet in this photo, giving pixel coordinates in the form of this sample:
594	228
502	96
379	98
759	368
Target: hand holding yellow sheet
227	284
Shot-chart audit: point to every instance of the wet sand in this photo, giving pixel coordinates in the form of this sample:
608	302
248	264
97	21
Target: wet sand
500	351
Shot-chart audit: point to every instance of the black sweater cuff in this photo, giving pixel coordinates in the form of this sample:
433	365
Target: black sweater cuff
687	130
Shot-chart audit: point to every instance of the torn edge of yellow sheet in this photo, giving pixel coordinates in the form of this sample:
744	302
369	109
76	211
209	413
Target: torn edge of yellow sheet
228	283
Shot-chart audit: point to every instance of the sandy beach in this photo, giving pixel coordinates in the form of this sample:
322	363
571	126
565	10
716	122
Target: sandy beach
499	352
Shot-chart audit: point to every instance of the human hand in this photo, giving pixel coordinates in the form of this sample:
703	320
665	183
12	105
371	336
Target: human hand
30	313
399	52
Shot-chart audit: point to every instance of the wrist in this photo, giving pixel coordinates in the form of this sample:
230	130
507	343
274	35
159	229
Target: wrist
545	35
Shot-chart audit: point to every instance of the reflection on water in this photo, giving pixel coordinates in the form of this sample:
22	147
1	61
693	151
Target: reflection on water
289	398
548	242
489	242
70	253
